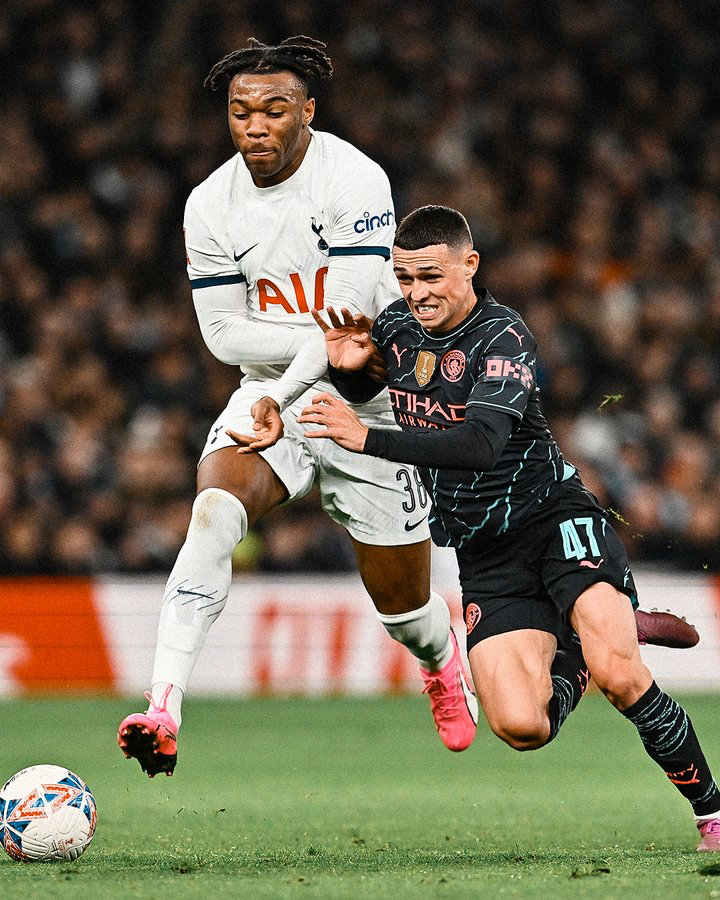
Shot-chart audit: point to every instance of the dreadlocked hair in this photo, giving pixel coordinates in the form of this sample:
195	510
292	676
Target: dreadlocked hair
301	55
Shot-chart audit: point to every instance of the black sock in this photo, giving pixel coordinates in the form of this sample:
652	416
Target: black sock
669	738
570	679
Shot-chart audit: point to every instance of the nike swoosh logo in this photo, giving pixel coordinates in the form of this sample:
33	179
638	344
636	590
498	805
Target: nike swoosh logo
238	258
412	526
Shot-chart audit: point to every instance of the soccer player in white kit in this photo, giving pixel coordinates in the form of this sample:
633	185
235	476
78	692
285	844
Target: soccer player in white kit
296	219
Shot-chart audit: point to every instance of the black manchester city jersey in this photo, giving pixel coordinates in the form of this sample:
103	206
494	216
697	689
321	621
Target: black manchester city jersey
488	361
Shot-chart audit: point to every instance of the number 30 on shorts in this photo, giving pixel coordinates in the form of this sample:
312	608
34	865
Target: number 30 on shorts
578	538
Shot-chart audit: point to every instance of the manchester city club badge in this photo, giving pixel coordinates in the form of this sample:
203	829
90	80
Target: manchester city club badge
424	367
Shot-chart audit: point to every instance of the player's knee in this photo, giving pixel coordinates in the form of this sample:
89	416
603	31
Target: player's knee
528	732
218	520
622	680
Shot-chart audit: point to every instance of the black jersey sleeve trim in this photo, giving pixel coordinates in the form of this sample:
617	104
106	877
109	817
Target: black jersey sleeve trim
360	251
196	283
474	445
355	387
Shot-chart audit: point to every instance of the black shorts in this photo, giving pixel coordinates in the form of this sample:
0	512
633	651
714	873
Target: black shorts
530	577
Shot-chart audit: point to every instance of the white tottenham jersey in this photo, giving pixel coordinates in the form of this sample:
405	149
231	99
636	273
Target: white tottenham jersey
274	246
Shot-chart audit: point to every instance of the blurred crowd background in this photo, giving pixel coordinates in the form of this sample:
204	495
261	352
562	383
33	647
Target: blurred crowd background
582	140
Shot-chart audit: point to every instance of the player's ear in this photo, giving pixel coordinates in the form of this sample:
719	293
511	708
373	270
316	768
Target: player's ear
309	111
472	261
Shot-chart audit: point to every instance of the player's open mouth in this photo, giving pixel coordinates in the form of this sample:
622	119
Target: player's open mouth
425	311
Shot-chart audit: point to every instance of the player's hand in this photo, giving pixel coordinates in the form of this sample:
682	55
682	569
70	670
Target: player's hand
340	423
267	425
347	339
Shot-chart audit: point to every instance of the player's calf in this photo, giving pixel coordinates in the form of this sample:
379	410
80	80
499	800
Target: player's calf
570	677
669	738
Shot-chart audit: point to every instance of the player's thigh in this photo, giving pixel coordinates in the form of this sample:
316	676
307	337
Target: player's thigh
396	577
246	475
511	674
511	637
605	623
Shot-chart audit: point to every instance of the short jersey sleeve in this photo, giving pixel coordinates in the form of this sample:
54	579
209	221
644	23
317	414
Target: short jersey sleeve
363	221
208	264
505	369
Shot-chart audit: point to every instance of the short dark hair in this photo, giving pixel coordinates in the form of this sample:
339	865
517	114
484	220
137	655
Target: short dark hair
301	55
430	225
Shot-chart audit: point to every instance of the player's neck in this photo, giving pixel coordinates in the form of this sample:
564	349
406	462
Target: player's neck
462	313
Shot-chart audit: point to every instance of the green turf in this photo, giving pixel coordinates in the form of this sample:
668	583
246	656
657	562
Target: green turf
357	798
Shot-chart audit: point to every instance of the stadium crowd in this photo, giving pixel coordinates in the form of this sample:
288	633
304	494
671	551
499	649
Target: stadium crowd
581	140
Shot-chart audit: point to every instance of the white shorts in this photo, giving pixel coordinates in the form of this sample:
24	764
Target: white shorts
377	501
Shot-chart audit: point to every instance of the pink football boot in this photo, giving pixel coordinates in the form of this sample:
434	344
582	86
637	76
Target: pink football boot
151	738
453	704
710	832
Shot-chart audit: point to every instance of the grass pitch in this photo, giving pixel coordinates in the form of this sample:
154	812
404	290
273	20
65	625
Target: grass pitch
357	798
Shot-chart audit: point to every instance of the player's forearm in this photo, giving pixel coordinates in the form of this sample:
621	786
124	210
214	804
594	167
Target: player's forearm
474	445
309	365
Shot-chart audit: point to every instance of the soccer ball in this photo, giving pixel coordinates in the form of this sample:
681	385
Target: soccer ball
46	813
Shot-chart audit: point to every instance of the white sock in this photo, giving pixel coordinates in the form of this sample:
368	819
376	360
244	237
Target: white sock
196	591
424	631
167	696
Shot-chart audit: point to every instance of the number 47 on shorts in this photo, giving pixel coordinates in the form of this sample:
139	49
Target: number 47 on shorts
579	538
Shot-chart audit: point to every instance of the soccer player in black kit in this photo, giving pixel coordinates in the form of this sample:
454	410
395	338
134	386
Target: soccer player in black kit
548	595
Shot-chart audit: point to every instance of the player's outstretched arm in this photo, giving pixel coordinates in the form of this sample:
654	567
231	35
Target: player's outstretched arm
267	425
340	423
347	338
474	444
